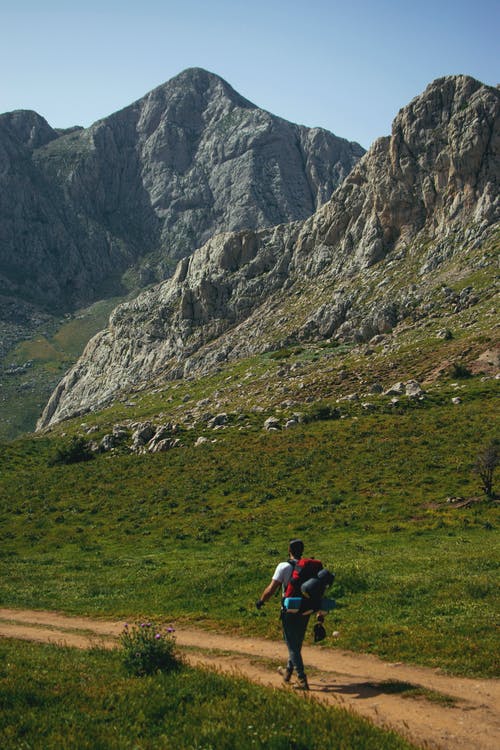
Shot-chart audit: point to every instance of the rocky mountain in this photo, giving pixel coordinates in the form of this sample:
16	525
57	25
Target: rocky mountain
146	186
418	213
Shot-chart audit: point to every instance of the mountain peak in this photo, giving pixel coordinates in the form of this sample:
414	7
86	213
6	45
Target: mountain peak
30	128
443	99
203	82
149	184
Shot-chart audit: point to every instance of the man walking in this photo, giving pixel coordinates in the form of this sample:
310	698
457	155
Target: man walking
294	623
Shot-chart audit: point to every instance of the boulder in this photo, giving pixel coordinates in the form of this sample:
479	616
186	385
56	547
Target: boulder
162	432
164	445
272	424
120	431
445	334
413	389
398	389
218	421
108	442
378	339
143	433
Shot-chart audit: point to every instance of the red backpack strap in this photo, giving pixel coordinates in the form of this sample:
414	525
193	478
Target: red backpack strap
290	587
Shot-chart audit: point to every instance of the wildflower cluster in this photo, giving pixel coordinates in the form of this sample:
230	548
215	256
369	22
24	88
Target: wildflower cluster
148	650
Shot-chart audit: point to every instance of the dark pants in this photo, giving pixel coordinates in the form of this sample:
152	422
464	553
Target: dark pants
294	630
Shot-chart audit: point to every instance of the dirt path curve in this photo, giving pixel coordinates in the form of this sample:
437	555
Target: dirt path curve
341	678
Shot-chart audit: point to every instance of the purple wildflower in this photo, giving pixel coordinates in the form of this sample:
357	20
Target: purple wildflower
157	636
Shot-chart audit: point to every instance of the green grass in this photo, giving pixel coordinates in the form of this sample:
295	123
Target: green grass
51	351
408	690
194	534
53	698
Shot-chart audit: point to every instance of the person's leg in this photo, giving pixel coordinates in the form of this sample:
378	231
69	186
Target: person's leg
294	630
286	672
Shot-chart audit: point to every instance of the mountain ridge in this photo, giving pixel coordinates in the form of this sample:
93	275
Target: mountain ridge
148	184
368	260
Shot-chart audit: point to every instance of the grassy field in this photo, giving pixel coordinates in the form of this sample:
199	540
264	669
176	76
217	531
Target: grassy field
194	534
49	353
83	700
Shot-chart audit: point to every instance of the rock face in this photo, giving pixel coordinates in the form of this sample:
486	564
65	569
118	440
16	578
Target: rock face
354	270
147	185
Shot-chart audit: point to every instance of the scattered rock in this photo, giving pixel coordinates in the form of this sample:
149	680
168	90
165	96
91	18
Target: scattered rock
143	433
162	432
444	334
108	443
398	389
488	362
218	421
271	424
413	389
120	431
163	445
456	400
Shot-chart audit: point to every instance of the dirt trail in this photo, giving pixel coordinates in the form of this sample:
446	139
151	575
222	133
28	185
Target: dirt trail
341	678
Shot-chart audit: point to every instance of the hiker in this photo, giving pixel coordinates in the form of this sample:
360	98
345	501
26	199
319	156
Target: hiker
294	623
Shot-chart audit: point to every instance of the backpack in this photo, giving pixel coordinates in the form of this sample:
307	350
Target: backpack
307	585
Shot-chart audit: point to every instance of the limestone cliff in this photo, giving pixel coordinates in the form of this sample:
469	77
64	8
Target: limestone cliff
146	186
360	265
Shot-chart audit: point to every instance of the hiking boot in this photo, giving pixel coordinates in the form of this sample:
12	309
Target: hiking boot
286	673
302	684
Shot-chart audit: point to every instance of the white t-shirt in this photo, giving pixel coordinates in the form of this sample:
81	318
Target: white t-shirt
283	573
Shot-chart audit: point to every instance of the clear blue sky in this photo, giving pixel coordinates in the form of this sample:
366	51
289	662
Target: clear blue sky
347	66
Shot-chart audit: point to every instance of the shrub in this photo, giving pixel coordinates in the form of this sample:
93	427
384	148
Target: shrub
458	370
285	352
147	650
486	463
73	452
322	412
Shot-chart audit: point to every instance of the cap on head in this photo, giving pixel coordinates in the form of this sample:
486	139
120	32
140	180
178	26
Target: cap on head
296	547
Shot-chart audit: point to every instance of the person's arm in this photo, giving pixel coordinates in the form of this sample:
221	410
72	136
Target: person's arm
268	592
